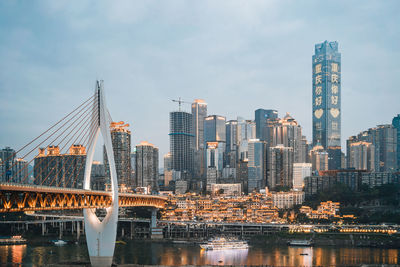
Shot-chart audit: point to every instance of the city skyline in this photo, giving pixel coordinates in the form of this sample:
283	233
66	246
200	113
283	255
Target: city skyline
246	70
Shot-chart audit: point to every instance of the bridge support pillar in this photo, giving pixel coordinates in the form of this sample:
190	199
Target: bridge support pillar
155	233
78	229
132	230
61	230
43	228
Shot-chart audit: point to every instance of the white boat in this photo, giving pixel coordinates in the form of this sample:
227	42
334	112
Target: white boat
302	243
59	242
222	243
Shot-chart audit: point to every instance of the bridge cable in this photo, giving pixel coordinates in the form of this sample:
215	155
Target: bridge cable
86	119
44	141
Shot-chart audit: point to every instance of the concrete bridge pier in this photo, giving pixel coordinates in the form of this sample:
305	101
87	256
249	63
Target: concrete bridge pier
132	230
78	229
155	233
43	228
60	234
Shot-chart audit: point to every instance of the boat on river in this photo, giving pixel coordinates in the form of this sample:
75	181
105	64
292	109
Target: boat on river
301	243
221	243
12	240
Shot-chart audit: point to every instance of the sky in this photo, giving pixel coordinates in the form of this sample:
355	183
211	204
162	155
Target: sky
236	55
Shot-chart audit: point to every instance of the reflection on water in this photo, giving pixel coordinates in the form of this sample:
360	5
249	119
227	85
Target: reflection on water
145	252
224	257
12	254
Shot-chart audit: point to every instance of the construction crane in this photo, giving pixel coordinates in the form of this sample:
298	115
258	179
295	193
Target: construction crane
180	101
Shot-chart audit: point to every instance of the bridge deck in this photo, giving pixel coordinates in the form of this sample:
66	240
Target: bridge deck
17	197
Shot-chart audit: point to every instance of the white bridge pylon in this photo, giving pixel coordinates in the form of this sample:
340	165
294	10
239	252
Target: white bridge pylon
101	235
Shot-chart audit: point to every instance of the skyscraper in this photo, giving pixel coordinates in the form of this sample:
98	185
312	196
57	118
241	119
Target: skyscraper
181	143
231	143
362	156
199	112
256	165
246	130
300	171
214	129
147	165
326	108
7	157
261	116
121	142
288	132
280	167
396	124
384	139
319	158
167	168
53	168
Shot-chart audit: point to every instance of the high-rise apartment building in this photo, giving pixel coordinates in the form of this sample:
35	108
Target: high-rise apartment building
246	130
319	158
121	143
384	138
214	129
261	116
300	171
167	168
147	165
215	155
97	176
287	132
199	112
280	167
362	156
396	124
326	95
256	165
181	143
52	168
231	143
7	157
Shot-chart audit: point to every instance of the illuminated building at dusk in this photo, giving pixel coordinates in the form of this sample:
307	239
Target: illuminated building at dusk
326	96
287	132
121	143
167	168
300	171
286	200
62	170
147	165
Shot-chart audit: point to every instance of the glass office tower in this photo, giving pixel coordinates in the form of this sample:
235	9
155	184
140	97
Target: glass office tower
326	73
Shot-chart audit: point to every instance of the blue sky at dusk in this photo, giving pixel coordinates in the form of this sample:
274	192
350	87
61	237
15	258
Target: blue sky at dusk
236	55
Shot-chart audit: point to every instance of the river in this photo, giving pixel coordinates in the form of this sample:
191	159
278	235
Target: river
163	253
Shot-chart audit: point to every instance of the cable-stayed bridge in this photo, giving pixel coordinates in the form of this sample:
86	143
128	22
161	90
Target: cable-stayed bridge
61	176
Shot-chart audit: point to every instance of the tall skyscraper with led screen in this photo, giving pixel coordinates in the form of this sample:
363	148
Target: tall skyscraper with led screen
326	79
